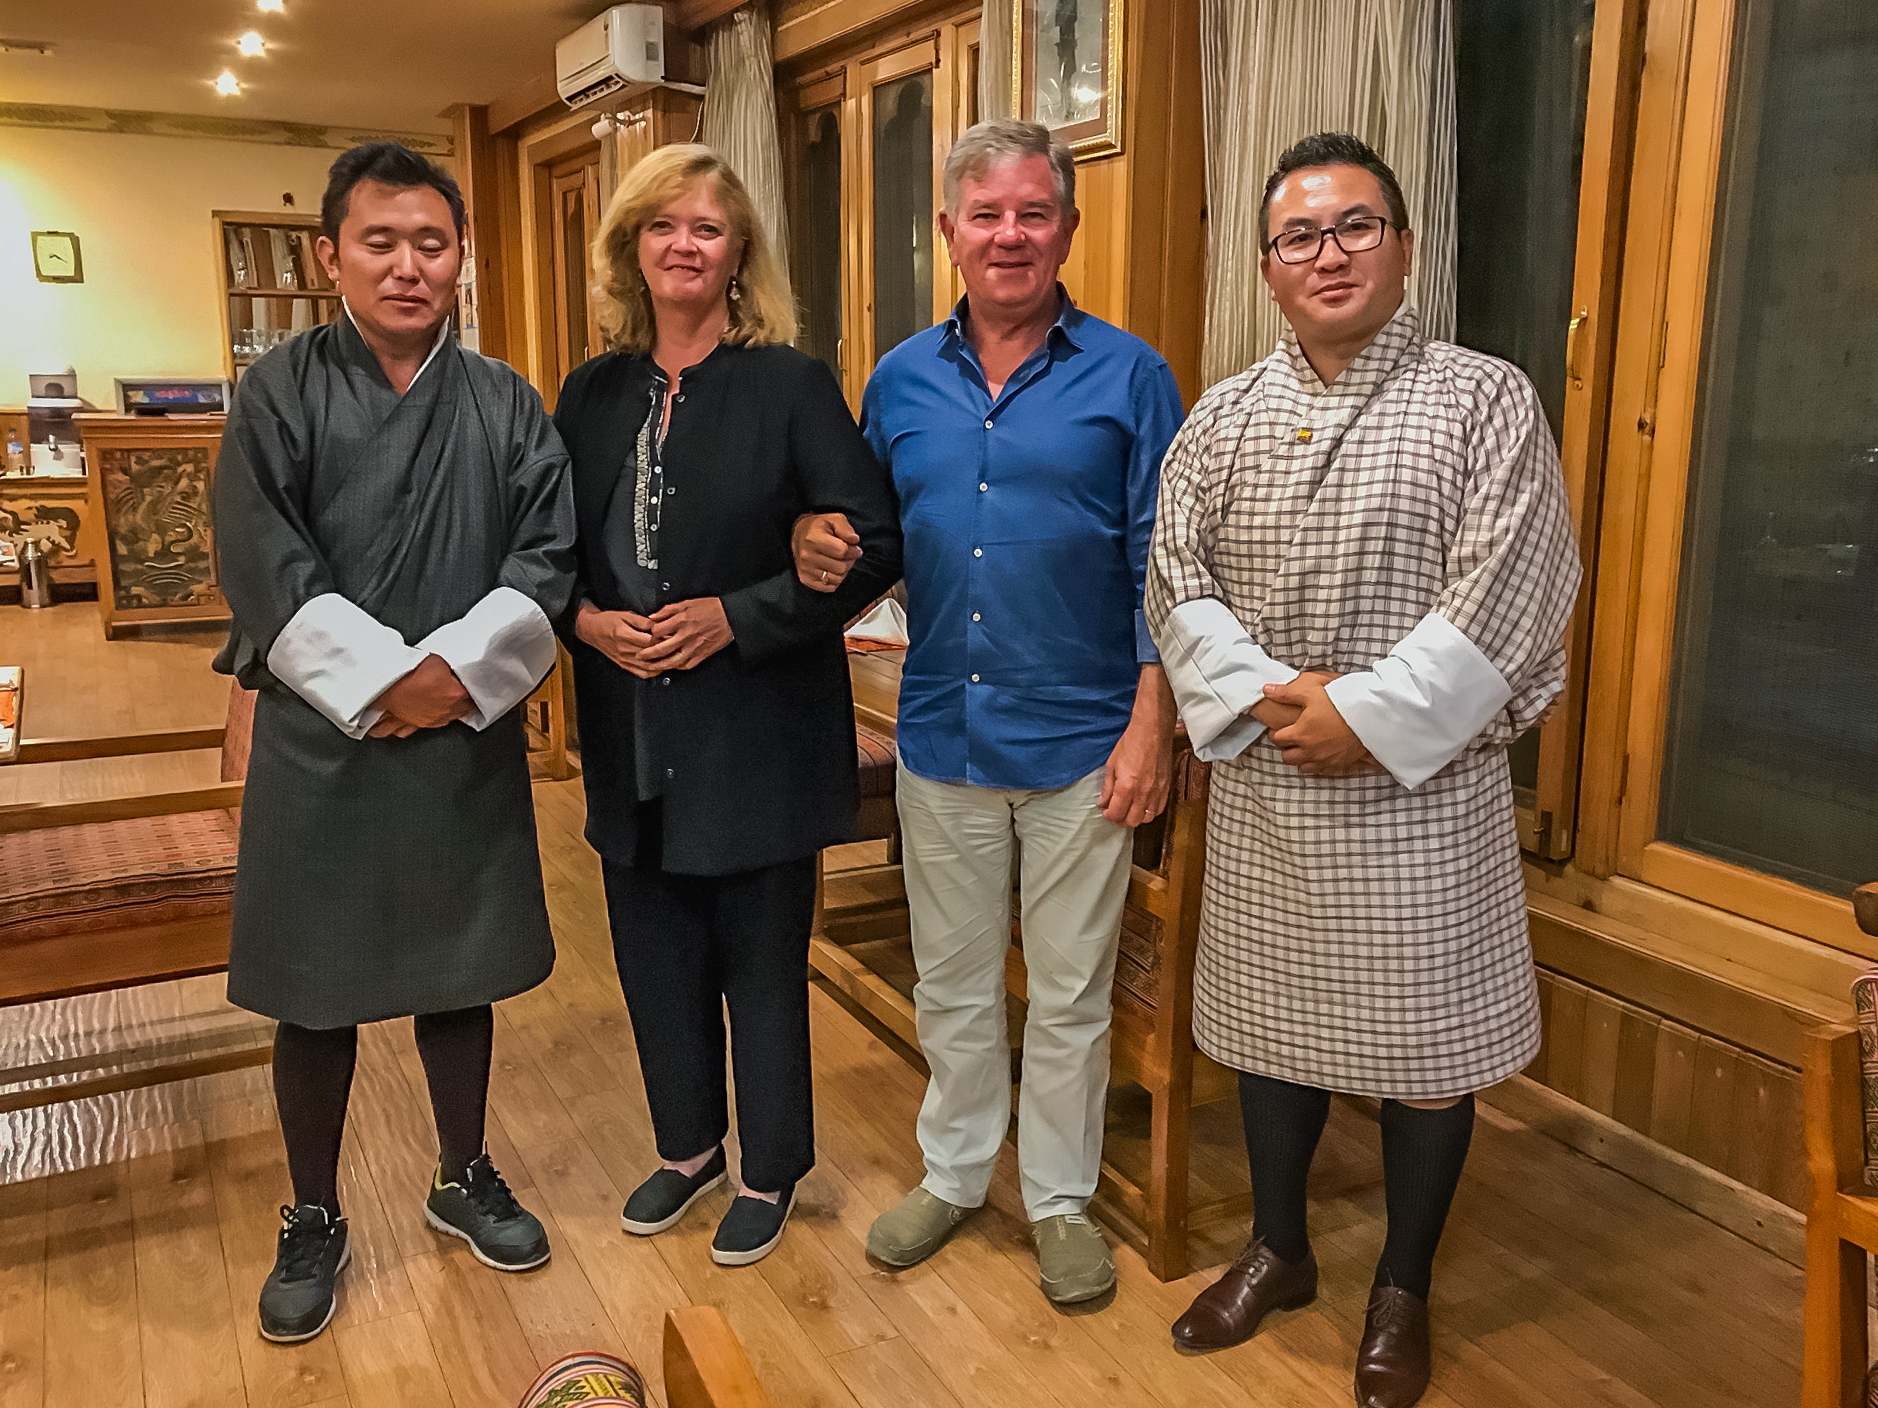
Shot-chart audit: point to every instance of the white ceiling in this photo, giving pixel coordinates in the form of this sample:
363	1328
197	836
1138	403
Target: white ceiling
386	63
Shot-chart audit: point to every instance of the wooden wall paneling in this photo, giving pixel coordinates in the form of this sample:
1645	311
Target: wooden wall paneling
1711	1107
1617	49
1565	1070
1627	452
1637	1038
1537	1069
1672	1097
1165	142
1768	1148
1597	1072
510	284
477	174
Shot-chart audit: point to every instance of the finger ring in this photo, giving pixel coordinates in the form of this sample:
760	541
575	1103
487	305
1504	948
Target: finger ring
824	574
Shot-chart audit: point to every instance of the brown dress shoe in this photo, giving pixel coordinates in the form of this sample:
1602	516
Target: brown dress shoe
1392	1364
1260	1281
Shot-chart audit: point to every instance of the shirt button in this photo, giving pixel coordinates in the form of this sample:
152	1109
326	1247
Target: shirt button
987	425
974	679
974	615
665	586
669	491
983	487
665	679
671	772
978	552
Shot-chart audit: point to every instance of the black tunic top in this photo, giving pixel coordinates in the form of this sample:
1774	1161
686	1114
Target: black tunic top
753	749
380	877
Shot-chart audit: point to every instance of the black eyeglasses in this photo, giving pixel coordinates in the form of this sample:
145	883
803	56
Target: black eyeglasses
1353	236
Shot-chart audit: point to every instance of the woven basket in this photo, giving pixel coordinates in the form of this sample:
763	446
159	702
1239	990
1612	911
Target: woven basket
591	1379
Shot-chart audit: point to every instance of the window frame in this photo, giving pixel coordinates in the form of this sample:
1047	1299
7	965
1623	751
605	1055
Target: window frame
1687	96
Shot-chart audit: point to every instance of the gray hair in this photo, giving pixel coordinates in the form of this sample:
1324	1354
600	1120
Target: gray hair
998	139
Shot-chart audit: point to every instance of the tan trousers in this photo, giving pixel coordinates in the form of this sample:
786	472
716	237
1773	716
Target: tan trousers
959	842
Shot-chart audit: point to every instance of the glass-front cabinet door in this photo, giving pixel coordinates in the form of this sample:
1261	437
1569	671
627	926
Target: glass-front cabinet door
1753	725
868	132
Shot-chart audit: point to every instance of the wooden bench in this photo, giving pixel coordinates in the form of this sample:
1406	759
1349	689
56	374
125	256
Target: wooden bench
1842	1217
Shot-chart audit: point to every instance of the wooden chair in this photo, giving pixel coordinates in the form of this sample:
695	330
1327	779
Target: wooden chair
546	714
1842	1218
705	1366
861	929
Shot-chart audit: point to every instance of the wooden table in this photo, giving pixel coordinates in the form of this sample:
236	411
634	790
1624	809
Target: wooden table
12	695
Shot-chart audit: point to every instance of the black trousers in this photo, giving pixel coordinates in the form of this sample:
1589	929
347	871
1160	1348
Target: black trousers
687	947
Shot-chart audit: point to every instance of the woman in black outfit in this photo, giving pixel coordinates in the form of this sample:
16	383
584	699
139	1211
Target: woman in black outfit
717	731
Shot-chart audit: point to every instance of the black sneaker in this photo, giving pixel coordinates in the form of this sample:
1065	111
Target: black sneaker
668	1195
751	1229
297	1298
483	1212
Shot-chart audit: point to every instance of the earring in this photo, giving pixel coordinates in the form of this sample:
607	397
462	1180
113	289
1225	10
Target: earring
736	290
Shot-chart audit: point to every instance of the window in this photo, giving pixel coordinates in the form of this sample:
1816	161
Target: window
1771	754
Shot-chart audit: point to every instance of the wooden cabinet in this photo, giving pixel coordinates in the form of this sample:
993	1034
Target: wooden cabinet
149	495
55	511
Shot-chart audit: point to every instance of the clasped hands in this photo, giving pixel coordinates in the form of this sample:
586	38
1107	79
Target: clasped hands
675	637
431	696
1309	733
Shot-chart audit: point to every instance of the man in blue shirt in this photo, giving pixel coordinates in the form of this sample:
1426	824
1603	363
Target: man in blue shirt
1025	441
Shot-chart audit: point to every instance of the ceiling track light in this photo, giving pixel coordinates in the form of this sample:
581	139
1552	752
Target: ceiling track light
227	84
271	7
251	45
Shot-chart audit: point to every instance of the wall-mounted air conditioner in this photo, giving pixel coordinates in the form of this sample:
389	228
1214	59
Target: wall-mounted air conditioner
624	45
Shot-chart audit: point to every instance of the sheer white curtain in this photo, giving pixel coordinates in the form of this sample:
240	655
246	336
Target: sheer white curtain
1279	70
739	118
994	59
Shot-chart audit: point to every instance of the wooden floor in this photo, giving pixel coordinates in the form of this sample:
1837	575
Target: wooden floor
135	1230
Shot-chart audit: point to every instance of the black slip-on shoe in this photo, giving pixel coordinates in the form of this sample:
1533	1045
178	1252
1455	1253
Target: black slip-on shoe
751	1229
481	1210
665	1197
297	1299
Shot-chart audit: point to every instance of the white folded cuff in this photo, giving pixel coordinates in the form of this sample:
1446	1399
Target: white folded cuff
1217	672
1419	707
500	649
339	660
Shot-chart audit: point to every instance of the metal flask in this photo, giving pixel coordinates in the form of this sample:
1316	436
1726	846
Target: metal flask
35	575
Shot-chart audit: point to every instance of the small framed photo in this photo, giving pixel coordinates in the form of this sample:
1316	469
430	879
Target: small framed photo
1067	70
56	258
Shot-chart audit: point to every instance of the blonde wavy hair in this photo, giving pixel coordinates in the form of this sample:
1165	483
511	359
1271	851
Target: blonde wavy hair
764	312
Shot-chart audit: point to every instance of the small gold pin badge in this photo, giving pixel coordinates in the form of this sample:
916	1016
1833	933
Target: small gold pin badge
1304	436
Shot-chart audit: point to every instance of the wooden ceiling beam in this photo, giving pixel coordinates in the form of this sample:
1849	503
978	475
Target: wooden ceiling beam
696	14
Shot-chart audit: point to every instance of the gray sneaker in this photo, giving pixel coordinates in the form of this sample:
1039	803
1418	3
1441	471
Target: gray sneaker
908	1233
297	1299
1072	1258
482	1211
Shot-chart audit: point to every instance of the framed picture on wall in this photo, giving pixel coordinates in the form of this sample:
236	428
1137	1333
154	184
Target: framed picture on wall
1067	70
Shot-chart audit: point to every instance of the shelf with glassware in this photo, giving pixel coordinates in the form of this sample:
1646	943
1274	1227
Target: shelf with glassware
273	284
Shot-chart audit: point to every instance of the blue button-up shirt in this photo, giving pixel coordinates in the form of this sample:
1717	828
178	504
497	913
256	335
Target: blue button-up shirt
1027	522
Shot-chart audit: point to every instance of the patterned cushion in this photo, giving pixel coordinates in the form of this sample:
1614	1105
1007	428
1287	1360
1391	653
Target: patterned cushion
876	757
67	879
590	1379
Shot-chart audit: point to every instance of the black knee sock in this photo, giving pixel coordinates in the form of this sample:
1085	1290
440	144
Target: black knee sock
1282	1125
1422	1155
312	1081
456	1047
